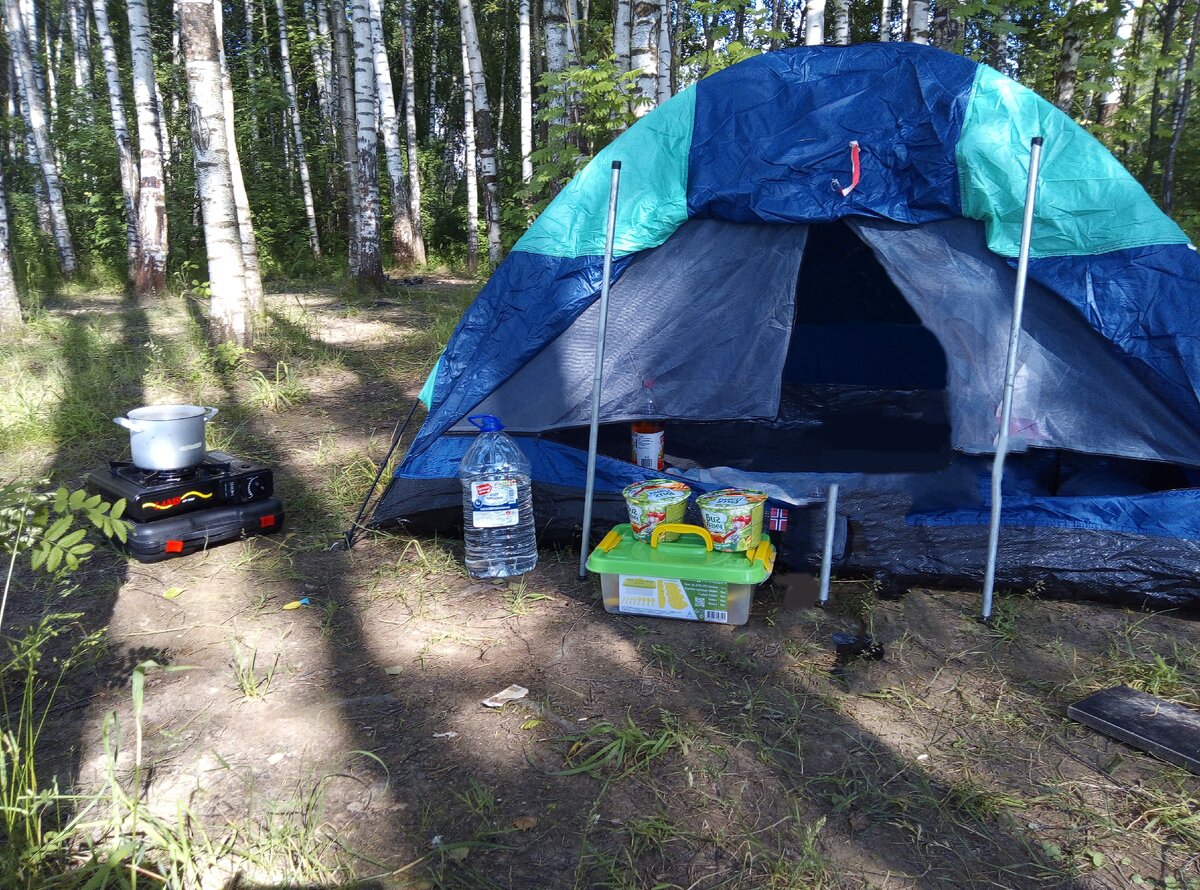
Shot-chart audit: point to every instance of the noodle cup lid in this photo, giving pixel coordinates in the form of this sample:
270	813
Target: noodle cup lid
731	499
657	491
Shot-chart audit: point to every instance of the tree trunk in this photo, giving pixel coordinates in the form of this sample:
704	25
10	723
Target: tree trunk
1123	33
841	23
289	89
241	201
81	58
485	141
643	53
410	130
526	99
622	33
116	103
777	10
469	168
1170	20
918	21
558	54
1068	57
664	51
320	74
1182	101
389	124
370	261
344	68
325	45
151	275
10	305
35	112
885	20
947	30
229	317
814	23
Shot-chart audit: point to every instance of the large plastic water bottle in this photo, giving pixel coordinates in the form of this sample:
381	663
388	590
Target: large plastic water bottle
497	504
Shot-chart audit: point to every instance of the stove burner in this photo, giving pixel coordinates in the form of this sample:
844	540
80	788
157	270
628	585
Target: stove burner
135	474
152	495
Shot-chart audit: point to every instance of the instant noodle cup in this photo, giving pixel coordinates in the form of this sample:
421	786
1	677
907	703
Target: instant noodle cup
655	501
734	517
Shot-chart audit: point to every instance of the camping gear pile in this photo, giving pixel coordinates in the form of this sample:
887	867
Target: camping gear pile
796	334
175	512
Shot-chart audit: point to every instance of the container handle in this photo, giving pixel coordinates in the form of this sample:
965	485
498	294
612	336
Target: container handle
129	424
209	414
762	553
681	528
611	540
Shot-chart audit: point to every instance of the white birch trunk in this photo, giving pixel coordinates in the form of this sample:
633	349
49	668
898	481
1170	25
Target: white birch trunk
1116	82
814	23
841	23
10	305
251	54
370	262
885	20
643	53
116	104
389	124
344	67
325	44
35	112
228	312
81	59
289	88
485	141
622	33
525	64
558	54
151	275
241	201
664	51
918	21
51	78
16	97
320	73
410	129
470	169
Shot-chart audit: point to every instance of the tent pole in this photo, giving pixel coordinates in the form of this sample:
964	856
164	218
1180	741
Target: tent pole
1010	376
831	499
594	428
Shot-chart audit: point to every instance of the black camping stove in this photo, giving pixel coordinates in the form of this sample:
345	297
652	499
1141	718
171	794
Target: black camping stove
176	513
220	480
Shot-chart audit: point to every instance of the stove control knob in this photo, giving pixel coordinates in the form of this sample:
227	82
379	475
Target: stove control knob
255	487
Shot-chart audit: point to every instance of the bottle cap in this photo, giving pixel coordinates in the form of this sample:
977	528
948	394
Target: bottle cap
486	423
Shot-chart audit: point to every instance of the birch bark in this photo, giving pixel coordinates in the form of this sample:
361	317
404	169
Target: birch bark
484	140
643	53
410	130
622	33
1182	100
918	21
841	23
320	73
344	68
151	275
289	89
35	112
370	261
116	104
1068	57
885	20
389	124
814	23
558	53
229	318
469	167
664	51
10	305
1116	81
81	58
526	99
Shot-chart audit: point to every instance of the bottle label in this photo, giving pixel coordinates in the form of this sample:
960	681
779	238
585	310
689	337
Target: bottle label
692	600
495	504
648	450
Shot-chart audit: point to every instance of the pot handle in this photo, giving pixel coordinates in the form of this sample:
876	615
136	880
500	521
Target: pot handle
129	424
209	414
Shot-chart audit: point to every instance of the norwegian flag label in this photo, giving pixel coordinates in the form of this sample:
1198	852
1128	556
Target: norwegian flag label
777	519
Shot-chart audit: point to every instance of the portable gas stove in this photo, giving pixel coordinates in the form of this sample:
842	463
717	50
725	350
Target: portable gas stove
175	513
220	480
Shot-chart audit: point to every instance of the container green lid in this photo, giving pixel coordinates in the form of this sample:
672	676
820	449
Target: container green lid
691	556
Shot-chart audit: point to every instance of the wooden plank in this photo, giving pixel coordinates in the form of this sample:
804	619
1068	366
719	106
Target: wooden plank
1163	728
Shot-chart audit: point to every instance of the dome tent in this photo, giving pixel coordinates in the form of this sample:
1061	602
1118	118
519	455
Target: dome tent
797	323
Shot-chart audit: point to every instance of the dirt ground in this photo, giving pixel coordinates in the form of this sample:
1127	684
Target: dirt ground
345	740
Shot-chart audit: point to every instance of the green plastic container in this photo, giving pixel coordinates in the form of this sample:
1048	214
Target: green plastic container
684	578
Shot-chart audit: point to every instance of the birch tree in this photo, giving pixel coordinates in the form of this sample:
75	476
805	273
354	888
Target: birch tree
470	168
1068	56
622	33
664	51
558	52
116	104
1182	101
814	23
151	275
643	52
35	113
485	142
410	130
389	125
918	21
81	58
289	89
525	64
10	305
1123	32
885	20
366	252
321	73
344	70
841	23
229	317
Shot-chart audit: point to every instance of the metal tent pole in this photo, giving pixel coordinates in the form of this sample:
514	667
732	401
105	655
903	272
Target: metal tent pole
831	499
1010	376
594	428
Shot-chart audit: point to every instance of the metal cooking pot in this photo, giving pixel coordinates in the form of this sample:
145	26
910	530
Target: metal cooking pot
167	437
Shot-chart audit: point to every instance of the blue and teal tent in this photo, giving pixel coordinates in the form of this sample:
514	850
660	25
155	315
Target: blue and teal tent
815	254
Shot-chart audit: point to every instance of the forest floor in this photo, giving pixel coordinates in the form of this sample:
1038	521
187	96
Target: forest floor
344	743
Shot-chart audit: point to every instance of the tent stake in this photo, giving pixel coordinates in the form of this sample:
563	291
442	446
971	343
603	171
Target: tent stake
1010	376
594	428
